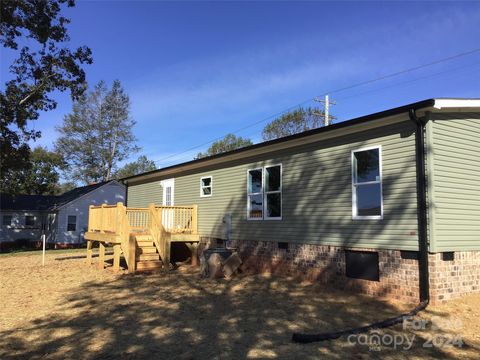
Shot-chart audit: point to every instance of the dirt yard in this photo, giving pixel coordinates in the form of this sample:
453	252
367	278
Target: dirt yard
70	310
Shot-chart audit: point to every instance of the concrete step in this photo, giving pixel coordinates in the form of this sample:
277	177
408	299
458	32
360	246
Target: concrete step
146	250
149	265
149	256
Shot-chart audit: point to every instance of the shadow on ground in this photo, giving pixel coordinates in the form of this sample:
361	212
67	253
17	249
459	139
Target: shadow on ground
180	315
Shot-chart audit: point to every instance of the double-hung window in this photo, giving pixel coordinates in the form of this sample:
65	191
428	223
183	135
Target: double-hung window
72	223
255	194
206	186
367	201
264	193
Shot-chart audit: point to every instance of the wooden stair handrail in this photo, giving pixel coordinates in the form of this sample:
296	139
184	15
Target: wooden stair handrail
117	224
160	236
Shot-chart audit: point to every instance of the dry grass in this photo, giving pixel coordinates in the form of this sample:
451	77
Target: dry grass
70	310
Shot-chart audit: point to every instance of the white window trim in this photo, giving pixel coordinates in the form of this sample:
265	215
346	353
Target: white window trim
259	193
76	223
202	187
264	194
354	193
280	191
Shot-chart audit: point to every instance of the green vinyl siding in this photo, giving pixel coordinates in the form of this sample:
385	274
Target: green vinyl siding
317	194
144	194
455	211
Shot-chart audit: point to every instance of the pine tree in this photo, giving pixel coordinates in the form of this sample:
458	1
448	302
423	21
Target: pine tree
97	134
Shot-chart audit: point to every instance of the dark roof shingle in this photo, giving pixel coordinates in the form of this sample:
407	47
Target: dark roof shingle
44	202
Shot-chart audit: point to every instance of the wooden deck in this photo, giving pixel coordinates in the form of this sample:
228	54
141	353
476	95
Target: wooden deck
142	235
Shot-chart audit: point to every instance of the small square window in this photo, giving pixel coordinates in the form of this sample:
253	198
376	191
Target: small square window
29	220
206	186
72	223
7	220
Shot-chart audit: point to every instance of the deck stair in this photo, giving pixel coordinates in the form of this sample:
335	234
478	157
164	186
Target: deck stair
143	236
147	258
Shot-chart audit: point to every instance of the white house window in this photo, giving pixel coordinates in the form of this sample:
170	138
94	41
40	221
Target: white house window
7	220
72	223
255	194
29	220
367	201
206	186
273	192
264	192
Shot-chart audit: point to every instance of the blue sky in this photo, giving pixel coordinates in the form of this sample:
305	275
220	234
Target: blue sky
198	70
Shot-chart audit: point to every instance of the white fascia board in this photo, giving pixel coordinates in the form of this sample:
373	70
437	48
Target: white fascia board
456	103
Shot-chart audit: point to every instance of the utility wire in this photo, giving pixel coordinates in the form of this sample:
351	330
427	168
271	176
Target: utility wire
401	72
238	130
449	71
362	83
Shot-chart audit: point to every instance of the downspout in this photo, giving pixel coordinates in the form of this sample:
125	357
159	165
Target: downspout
420	159
126	192
422	247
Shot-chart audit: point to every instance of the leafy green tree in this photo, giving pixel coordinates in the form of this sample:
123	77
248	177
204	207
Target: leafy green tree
97	134
65	186
43	66
141	165
294	122
40	177
228	143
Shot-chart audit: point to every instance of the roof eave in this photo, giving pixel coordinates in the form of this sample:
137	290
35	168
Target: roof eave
425	104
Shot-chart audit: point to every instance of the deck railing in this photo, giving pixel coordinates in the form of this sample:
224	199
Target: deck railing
118	224
175	219
138	218
178	219
103	218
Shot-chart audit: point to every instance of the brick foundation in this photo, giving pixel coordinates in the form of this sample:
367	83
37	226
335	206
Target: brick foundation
399	277
451	279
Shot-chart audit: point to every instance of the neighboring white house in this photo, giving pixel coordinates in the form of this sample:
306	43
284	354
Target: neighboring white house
62	218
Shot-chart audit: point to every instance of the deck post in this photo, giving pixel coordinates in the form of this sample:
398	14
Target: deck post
132	249
116	257
101	255
195	219
195	254
193	247
167	247
89	252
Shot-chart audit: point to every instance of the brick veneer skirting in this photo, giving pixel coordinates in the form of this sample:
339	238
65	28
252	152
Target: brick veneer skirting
399	278
452	279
